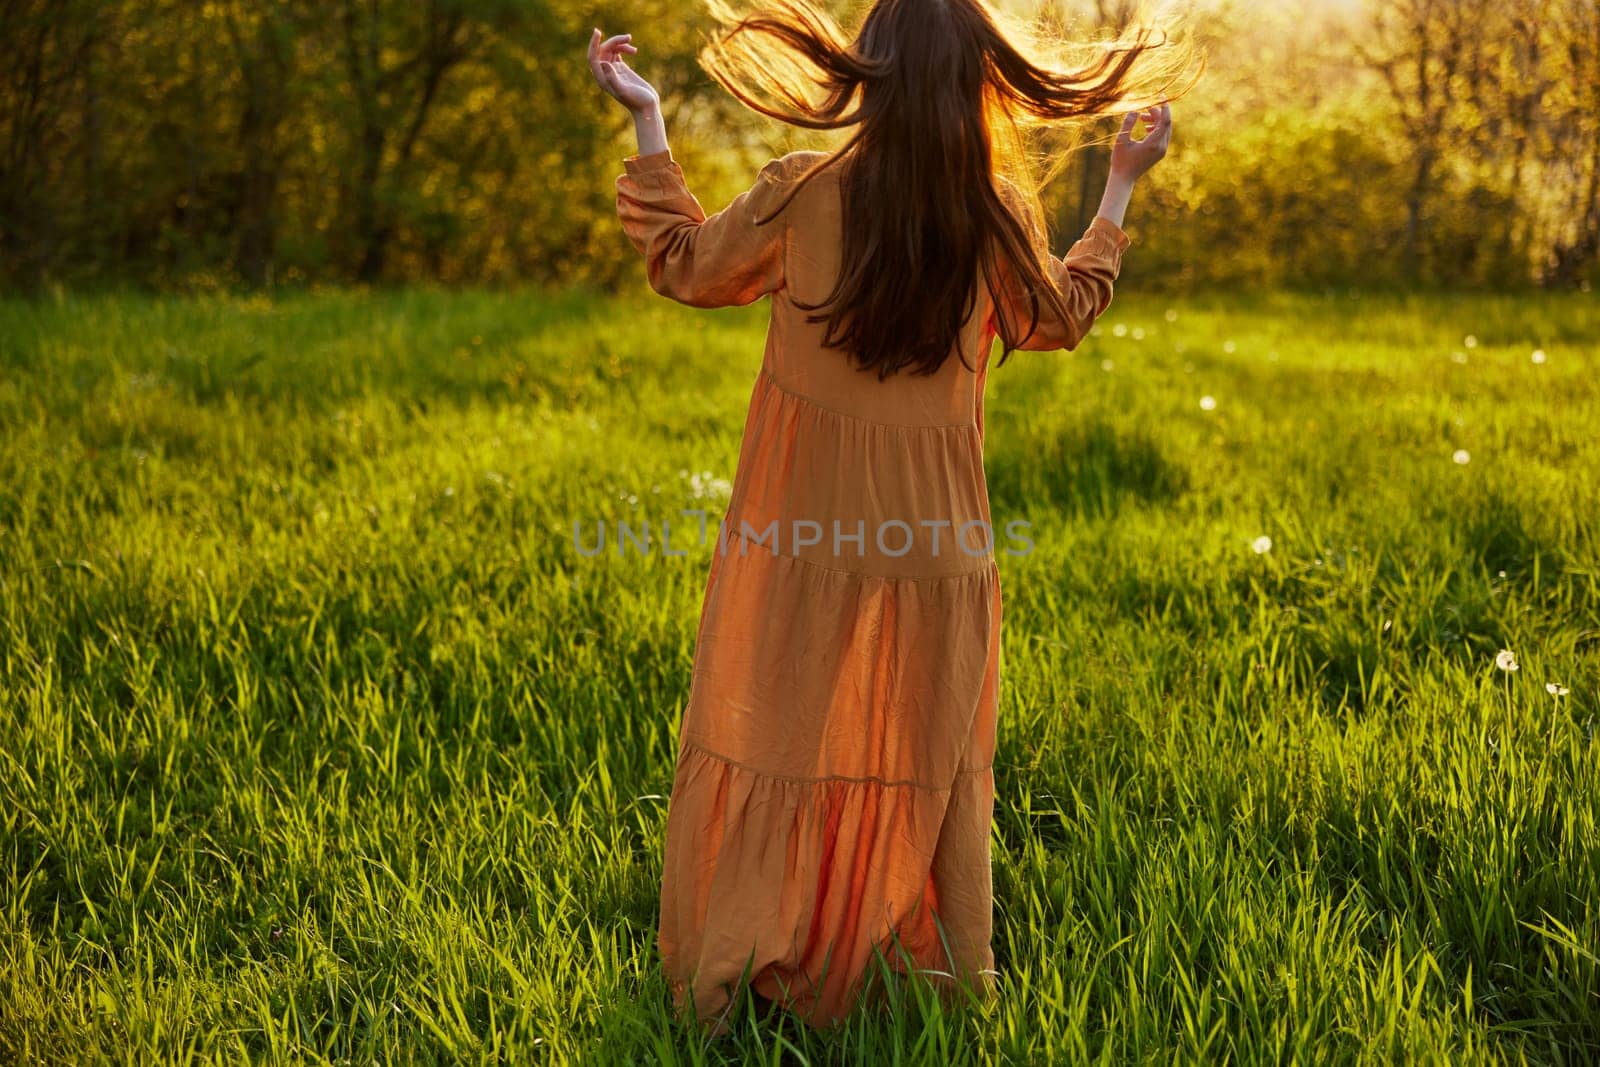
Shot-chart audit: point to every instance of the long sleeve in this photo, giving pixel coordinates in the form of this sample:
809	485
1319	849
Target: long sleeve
715	261
1084	278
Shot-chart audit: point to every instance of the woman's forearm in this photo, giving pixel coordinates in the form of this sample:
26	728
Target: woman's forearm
1114	202
651	130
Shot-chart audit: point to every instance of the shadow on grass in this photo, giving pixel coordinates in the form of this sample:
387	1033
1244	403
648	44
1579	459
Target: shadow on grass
1085	471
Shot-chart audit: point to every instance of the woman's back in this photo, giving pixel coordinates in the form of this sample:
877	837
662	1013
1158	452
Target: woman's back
796	357
839	468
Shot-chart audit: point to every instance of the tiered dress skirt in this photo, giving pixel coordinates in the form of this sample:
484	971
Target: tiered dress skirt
831	805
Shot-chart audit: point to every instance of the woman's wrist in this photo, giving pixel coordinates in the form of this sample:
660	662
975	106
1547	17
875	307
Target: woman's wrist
1114	201
650	129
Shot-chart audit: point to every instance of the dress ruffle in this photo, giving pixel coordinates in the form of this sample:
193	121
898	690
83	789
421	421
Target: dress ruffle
799	886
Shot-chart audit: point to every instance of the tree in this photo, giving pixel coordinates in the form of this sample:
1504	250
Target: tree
1420	49
44	68
262	38
393	100
1574	123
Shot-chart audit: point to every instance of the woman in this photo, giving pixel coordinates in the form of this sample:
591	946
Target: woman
833	791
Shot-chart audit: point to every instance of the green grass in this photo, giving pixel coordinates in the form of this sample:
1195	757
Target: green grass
319	740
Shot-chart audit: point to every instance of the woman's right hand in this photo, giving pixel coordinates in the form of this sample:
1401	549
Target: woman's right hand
1130	159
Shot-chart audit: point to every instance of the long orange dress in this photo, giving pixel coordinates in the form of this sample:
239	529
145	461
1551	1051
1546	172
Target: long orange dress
833	789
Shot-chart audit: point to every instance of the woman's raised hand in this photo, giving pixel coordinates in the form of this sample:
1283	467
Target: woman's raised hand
616	77
1130	158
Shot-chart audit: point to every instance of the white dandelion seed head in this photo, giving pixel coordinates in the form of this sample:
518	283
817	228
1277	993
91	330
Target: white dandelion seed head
1229	347
1556	689
704	484
1537	356
1208	403
1506	660
1458	357
1106	364
1137	333
1261	545
1470	341
1172	314
1119	330
1461	456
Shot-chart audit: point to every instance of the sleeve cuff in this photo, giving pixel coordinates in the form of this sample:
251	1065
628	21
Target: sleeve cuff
1110	230
655	161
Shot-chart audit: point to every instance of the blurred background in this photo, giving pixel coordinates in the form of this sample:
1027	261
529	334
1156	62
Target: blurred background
224	143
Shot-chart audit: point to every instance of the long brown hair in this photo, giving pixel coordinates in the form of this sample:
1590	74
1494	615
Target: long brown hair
937	178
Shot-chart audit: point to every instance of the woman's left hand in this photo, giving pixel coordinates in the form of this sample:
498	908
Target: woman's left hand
616	77
1130	158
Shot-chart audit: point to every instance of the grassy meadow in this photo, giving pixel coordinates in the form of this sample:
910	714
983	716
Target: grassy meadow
320	742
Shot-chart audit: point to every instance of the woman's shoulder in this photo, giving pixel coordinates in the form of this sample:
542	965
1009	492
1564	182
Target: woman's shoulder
793	165
780	180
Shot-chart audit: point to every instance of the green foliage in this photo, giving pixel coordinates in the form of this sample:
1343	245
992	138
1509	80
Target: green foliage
1330	220
250	143
280	140
319	741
